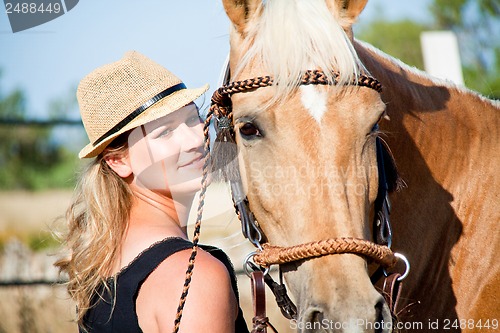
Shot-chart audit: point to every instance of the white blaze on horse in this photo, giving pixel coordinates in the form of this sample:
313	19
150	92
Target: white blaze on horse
308	163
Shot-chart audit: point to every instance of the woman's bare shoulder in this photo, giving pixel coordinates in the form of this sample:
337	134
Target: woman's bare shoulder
210	296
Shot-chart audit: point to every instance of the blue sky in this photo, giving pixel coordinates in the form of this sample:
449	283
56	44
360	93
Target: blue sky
188	37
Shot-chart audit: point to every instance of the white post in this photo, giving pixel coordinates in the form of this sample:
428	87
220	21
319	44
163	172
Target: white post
441	55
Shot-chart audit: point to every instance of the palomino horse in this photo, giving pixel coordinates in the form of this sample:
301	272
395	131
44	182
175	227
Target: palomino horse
308	163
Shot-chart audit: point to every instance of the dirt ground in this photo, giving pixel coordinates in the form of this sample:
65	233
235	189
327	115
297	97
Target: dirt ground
47	309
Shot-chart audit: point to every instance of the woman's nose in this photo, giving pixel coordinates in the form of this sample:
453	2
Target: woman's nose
190	138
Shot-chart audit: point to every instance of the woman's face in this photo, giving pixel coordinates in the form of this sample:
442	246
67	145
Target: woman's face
166	155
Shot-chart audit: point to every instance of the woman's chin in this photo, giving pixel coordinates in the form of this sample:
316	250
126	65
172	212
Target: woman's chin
188	187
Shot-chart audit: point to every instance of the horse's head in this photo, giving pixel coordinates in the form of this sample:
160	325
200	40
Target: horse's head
307	152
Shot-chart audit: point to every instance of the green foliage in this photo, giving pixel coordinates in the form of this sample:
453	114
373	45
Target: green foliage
29	156
476	24
400	39
490	6
447	13
36	240
452	14
42	241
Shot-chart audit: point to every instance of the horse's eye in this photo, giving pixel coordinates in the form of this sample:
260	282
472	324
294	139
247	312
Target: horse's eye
249	131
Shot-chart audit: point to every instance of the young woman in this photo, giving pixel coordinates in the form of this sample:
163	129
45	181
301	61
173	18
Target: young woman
127	245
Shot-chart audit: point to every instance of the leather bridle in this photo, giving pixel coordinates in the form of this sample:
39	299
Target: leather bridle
266	255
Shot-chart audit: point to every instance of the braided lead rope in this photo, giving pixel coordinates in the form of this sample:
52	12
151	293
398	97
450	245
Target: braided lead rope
197	227
271	255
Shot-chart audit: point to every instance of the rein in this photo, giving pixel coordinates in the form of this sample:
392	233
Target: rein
267	255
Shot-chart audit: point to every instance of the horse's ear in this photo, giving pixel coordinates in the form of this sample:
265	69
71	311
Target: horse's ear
347	11
239	11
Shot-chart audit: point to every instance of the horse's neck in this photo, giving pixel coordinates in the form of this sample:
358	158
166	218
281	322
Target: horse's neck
446	143
456	132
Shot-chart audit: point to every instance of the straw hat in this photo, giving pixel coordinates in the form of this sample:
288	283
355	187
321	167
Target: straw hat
125	94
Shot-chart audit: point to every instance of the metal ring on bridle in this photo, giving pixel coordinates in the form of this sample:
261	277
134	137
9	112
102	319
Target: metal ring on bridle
407	266
248	263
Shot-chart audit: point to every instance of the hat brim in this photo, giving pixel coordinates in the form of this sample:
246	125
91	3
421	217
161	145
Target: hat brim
160	109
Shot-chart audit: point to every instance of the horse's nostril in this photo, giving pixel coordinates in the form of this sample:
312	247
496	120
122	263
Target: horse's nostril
383	319
316	316
371	316
313	322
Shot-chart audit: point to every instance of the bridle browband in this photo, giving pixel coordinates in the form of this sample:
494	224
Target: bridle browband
221	99
267	255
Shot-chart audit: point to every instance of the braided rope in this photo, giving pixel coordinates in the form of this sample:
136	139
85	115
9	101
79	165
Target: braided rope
197	227
271	255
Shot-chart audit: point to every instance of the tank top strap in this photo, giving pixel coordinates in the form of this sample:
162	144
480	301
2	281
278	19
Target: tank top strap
104	317
131	278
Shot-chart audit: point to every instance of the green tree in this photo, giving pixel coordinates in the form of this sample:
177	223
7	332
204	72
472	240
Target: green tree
29	157
476	24
400	39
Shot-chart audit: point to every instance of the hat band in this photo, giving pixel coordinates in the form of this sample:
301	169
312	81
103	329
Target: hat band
140	110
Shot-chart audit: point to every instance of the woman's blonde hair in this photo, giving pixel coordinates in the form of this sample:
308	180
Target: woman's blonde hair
97	220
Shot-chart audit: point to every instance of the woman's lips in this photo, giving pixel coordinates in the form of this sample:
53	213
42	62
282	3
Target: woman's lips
195	163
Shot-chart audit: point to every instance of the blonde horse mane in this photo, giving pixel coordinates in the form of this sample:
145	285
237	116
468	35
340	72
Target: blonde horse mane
293	36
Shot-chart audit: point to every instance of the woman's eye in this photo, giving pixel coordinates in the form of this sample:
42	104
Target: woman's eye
165	133
249	131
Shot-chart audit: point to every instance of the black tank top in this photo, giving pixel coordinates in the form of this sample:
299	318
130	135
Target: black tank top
102	318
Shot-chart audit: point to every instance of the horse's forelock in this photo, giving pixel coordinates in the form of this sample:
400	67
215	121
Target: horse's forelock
292	36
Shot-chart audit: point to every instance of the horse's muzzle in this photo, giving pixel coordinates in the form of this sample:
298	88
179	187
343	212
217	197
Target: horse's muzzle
317	319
